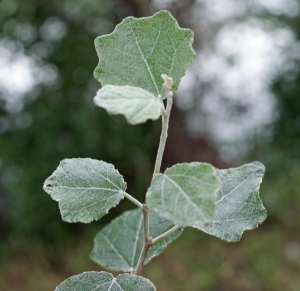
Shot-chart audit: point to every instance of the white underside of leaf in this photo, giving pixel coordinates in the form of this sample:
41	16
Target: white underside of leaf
136	104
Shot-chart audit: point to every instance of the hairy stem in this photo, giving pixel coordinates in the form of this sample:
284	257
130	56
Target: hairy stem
168	82
167	233
164	132
147	241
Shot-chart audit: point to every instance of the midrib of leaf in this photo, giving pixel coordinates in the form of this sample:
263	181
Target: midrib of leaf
87	188
89	205
136	241
145	61
238	186
186	196
174	54
106	178
116	250
112	283
95	172
173	58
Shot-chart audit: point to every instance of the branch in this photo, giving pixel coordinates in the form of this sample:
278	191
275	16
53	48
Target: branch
167	233
147	241
168	82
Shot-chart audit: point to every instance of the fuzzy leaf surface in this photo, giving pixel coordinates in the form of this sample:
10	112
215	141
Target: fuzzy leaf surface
136	104
103	281
118	245
185	194
239	206
85	188
140	50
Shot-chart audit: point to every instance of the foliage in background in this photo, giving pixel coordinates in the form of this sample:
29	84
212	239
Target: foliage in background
62	120
24	136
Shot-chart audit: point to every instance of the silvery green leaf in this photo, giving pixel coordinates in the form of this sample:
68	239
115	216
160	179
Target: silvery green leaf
239	207
85	188
136	104
140	50
118	245
185	194
103	281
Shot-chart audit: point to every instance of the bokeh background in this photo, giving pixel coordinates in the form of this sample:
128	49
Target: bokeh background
238	102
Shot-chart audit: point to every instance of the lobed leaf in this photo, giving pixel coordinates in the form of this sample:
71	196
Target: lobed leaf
136	104
118	245
140	50
85	188
185	194
239	207
102	281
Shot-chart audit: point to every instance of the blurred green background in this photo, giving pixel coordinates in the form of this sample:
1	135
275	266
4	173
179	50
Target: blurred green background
239	102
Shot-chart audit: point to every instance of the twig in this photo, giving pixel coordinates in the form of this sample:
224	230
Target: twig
147	241
165	123
167	233
132	199
168	82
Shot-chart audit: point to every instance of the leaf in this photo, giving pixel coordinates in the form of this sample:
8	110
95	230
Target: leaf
136	104
185	194
118	245
85	188
102	281
239	207
140	50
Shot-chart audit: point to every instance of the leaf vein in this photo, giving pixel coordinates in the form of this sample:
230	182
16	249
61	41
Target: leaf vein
186	196
238	186
145	61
